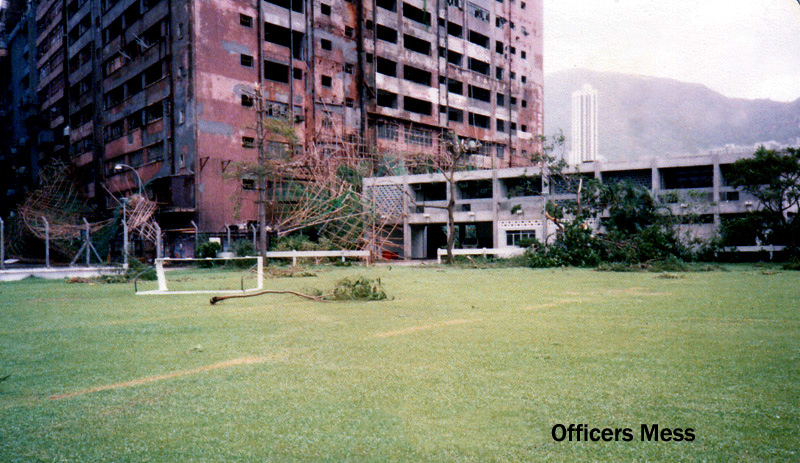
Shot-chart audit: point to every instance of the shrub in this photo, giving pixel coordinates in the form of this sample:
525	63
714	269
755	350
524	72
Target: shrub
360	289
243	248
207	249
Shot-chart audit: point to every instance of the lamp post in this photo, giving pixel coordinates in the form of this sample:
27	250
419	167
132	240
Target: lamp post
125	244
119	167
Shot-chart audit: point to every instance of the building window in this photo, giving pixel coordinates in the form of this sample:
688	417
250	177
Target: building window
387	132
325	9
349	31
348	68
523	79
248	142
326	81
326	44
523	55
515	237
246	61
349	102
247	100
246	21
418	137
524	103
248	184
297	73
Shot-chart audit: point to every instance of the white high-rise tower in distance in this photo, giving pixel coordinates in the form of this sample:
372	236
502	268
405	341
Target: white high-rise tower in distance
584	125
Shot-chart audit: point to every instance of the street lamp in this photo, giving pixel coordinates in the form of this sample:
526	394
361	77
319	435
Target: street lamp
119	168
125	244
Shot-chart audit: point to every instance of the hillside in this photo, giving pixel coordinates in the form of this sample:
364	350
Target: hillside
646	116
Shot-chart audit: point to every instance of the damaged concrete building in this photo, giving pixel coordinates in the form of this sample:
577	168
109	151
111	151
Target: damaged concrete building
167	87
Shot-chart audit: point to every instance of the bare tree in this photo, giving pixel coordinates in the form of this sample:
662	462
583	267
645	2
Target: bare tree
454	157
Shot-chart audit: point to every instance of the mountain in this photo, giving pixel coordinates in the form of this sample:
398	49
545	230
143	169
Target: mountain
641	117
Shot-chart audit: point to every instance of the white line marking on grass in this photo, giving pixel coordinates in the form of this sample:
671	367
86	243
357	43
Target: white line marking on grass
177	374
414	329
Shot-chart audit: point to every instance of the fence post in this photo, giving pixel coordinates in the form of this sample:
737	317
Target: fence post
88	242
196	235
46	242
125	232
2	245
158	240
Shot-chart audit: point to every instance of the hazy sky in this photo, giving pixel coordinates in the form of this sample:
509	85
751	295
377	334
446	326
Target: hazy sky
740	48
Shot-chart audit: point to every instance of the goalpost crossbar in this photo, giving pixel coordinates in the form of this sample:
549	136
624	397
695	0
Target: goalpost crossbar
163	289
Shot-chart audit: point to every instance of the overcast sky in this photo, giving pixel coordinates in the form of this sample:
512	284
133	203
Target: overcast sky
740	48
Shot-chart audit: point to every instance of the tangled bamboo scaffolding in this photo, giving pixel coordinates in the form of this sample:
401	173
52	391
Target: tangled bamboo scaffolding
57	210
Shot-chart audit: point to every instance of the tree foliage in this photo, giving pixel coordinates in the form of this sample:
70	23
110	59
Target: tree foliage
773	178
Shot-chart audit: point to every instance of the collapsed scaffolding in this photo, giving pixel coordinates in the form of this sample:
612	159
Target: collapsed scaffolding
57	214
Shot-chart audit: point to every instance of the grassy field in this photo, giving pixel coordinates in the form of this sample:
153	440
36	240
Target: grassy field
460	365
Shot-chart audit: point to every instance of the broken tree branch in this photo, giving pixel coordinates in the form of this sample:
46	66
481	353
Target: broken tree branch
216	299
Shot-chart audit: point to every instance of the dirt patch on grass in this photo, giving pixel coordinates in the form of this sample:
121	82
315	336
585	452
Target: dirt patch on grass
414	329
636	291
554	304
177	374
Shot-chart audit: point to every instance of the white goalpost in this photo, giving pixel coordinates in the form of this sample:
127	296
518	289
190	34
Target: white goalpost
202	276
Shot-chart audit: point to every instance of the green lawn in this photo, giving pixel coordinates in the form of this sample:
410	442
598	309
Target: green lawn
461	365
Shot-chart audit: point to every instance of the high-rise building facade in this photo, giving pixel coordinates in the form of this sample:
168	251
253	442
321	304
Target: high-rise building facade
168	88
584	125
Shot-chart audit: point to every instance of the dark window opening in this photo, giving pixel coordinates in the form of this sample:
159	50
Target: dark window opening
454	57
416	75
387	99
455	30
326	44
386	34
276	72
429	191
325	9
295	5
417	45
479	66
415	105
479	39
475	189
153	74
326	81
479	120
455	115
247	100
248	142
387	67
480	93
297	73
415	14
284	37
454	86
246	60
246	21
390	5
498	47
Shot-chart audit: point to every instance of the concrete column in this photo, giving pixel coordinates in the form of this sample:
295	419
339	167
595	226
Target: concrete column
406	226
